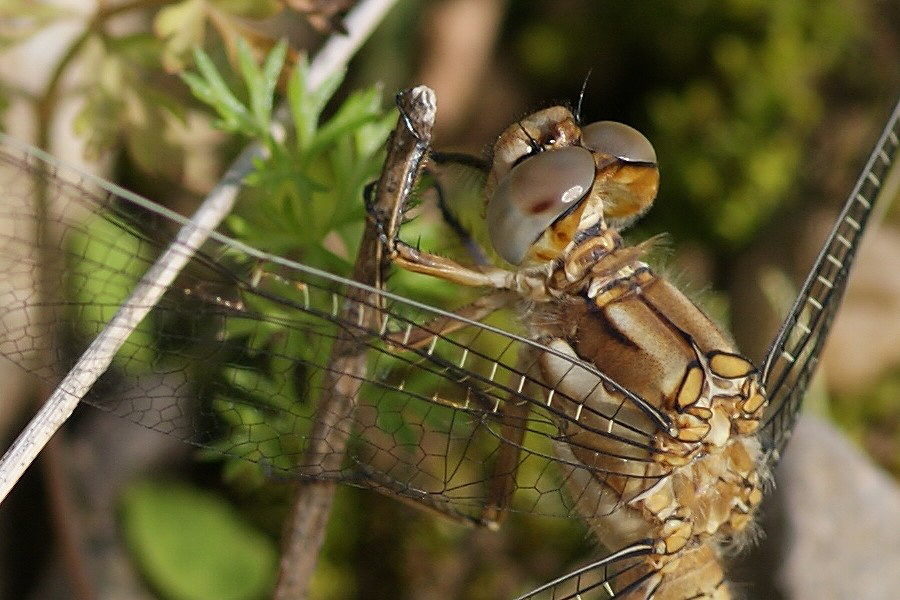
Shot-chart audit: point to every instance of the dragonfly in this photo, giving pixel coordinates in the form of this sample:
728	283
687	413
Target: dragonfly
617	402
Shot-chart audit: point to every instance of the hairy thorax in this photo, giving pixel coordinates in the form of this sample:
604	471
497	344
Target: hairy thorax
668	452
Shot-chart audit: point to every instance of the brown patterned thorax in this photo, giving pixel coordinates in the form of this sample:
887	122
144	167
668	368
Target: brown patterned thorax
697	486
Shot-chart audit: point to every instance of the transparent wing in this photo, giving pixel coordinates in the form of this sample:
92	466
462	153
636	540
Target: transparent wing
792	359
234	356
626	571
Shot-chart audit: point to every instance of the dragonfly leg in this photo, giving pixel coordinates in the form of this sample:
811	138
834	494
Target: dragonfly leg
503	479
412	259
513	414
420	500
405	256
473	248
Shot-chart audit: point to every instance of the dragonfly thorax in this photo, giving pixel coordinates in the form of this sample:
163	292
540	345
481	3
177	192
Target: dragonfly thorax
554	183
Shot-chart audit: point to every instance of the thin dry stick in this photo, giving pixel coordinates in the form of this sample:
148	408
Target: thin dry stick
305	529
217	205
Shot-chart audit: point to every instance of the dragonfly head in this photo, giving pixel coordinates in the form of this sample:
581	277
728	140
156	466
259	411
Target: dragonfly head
552	180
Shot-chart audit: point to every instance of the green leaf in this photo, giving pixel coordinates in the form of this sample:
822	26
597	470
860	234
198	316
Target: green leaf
261	82
192	545
210	87
306	105
360	109
254	118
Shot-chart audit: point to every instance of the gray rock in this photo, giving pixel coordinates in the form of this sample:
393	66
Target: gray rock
842	518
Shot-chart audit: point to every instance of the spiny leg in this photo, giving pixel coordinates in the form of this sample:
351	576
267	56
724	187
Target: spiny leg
405	256
513	418
473	248
412	259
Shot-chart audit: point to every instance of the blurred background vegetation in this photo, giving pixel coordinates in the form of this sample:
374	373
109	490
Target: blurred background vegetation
761	113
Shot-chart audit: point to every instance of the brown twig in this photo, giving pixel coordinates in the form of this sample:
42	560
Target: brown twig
305	529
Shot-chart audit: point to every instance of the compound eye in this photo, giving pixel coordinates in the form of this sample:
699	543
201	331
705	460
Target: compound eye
619	140
533	195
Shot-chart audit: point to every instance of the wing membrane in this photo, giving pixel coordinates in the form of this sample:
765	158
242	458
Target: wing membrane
625	571
234	356
792	358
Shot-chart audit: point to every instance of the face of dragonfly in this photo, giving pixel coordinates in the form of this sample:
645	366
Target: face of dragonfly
552	181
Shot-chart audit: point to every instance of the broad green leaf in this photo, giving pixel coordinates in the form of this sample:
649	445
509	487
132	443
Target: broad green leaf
192	545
